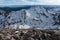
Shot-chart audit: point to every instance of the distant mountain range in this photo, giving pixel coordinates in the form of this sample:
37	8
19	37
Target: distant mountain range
19	7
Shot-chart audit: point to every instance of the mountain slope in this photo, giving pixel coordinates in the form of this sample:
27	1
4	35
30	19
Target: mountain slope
36	16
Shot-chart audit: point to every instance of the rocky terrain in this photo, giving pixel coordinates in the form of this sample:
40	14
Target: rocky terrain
29	34
33	23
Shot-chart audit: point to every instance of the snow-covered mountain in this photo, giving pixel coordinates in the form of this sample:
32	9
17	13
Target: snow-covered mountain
36	16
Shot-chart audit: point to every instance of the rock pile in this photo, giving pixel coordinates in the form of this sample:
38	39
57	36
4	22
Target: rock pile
28	34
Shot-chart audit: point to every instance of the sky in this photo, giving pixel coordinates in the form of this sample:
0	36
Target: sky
29	2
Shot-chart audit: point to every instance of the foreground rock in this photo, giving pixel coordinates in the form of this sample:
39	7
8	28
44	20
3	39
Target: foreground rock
29	34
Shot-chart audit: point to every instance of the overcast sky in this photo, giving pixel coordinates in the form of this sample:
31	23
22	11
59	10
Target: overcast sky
29	2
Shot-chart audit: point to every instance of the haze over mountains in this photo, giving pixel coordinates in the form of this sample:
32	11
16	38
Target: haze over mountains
39	16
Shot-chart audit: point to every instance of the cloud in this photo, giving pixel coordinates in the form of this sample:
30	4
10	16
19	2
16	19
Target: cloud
50	2
29	2
33	0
